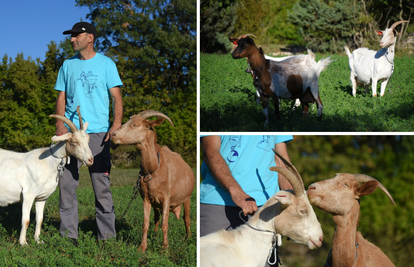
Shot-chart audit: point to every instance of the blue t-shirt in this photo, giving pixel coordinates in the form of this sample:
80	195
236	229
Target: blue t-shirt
87	83
249	158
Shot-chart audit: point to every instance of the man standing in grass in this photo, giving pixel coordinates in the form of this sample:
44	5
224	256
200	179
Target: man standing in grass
88	80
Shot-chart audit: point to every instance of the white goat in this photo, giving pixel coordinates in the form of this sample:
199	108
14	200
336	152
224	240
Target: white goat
369	66
295	77
285	213
34	176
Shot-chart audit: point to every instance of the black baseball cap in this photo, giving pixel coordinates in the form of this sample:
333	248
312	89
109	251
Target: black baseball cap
82	27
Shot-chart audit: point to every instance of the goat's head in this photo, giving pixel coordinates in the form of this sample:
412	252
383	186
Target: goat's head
77	141
338	195
389	35
242	46
297	219
138	129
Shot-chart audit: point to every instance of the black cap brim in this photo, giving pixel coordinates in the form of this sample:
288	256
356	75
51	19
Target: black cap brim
71	31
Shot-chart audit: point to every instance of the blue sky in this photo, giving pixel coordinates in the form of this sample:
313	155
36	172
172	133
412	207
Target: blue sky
28	26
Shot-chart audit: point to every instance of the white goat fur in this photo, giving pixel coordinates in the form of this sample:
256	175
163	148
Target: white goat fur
369	66
33	176
244	246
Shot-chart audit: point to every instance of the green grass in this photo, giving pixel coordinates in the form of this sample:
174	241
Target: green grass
121	251
228	100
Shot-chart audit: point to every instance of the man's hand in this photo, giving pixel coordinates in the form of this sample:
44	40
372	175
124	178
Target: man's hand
113	129
244	201
61	129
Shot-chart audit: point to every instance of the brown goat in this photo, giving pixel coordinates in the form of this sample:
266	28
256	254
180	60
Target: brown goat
340	196
166	179
292	78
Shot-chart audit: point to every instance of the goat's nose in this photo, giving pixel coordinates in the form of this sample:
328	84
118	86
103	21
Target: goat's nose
321	238
311	187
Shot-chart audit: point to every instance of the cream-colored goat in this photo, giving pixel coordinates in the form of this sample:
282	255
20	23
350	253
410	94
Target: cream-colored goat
340	196
369	66
285	213
34	176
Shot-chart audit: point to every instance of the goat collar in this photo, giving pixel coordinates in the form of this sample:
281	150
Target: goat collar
62	163
260	66
329	261
275	242
148	176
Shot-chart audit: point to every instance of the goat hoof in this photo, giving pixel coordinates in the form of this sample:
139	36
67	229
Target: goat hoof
142	249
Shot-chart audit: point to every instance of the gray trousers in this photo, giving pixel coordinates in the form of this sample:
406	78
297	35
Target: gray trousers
216	217
99	172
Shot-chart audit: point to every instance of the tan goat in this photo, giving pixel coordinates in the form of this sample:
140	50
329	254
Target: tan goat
166	179
340	197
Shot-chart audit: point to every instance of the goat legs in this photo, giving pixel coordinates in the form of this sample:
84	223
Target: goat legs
27	205
383	85
164	224
40	205
187	217
354	84
156	218
145	225
374	87
265	104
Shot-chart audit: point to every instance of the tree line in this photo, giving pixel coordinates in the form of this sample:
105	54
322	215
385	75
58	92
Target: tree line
153	44
320	25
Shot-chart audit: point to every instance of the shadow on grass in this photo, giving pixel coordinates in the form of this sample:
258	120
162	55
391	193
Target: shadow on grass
342	113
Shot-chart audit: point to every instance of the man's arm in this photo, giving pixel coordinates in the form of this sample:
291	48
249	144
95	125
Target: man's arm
221	173
60	110
282	150
118	109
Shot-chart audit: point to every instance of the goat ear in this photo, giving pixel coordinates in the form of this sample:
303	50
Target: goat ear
233	39
85	126
283	197
156	122
261	51
63	137
367	188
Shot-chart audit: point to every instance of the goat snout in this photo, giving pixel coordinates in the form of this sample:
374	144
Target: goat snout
89	161
311	187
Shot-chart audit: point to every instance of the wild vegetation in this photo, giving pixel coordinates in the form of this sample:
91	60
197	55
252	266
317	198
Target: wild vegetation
228	100
121	251
156	64
320	25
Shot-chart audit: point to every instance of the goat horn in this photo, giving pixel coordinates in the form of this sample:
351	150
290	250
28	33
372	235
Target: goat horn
71	125
249	34
150	113
397	23
362	178
291	174
80	118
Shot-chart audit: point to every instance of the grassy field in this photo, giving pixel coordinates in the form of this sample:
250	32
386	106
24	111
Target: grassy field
228	100
122	251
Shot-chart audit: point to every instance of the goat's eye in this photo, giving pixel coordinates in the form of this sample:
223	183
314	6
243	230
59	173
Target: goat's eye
346	185
304	211
134	125
74	143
